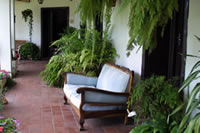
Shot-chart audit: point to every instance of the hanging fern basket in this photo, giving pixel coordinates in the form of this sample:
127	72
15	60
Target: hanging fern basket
27	15
144	19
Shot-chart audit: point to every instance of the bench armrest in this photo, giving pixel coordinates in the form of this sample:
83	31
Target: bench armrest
78	79
98	96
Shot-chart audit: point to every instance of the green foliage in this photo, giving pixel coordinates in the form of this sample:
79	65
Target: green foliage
29	51
154	98
191	122
144	19
27	15
68	30
8	125
156	126
50	74
78	55
90	9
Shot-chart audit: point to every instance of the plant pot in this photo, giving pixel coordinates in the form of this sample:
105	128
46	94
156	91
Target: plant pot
3	99
2	83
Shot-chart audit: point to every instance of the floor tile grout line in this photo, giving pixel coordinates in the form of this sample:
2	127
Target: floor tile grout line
52	116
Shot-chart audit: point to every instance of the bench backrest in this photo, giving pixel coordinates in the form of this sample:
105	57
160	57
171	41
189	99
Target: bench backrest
114	78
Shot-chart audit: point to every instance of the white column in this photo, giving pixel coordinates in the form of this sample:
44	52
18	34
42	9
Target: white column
5	34
13	27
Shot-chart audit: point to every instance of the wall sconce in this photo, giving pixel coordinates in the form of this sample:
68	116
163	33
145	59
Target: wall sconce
40	1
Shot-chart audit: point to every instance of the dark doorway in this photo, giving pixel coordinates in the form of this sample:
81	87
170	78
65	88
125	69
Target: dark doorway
99	24
53	23
167	58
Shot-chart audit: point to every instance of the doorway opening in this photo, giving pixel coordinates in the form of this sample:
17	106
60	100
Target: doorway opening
53	23
168	58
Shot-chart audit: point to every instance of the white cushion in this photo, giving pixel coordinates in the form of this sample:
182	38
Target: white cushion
75	98
70	89
70	92
112	79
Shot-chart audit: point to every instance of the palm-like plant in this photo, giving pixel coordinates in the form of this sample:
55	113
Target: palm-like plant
191	123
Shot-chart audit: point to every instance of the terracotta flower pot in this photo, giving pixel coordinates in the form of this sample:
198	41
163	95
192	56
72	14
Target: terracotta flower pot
3	99
2	83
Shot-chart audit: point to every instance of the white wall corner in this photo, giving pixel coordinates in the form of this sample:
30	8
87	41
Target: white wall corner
120	37
5	34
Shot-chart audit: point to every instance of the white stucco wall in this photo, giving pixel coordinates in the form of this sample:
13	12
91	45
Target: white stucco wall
120	39
22	30
193	45
6	36
119	35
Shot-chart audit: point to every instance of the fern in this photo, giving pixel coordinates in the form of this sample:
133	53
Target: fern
154	97
144	19
107	15
78	55
90	9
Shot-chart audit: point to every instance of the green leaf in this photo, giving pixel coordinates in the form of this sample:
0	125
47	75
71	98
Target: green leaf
141	129
179	108
190	128
193	106
193	95
197	126
195	66
189	79
183	123
198	38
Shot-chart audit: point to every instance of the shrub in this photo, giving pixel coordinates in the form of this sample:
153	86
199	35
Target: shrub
78	55
154	98
29	51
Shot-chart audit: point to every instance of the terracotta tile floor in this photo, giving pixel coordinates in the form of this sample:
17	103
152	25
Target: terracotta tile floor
40	108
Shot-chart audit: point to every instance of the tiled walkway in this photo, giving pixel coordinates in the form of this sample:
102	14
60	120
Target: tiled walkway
40	108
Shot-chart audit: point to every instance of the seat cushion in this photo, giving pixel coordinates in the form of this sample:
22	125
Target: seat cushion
90	108
75	98
113	79
70	89
70	92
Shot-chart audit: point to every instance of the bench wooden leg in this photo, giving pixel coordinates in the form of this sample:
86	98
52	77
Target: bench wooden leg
126	119
81	124
65	99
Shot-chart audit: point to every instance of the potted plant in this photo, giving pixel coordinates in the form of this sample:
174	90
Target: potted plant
4	75
8	125
29	51
154	99
3	78
27	15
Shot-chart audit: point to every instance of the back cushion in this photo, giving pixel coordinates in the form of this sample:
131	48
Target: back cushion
112	79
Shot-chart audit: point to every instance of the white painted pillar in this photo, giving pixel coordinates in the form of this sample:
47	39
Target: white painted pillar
6	34
13	27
